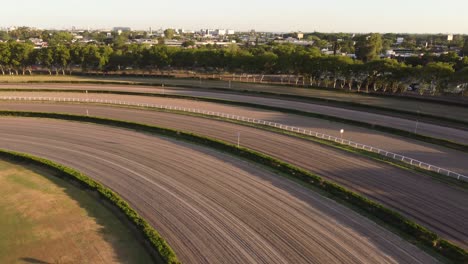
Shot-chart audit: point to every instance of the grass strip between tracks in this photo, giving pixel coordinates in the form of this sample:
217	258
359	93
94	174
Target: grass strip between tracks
413	232
390	130
164	253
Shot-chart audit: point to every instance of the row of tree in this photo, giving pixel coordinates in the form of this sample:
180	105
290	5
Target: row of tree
435	73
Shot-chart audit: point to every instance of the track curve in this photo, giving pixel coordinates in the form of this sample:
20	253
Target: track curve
432	130
436	155
409	193
215	208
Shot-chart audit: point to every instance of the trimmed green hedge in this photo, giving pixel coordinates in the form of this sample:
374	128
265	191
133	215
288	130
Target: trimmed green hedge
417	233
166	254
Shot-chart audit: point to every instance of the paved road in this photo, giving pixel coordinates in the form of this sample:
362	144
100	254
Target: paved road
400	123
433	154
211	207
435	205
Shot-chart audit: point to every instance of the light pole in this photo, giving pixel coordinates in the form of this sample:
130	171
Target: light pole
341	135
238	139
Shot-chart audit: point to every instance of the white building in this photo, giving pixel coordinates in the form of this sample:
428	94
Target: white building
220	32
230	32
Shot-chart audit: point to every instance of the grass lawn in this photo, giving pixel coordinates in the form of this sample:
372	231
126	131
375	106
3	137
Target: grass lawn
44	219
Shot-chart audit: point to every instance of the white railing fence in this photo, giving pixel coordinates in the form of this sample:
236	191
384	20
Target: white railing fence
299	130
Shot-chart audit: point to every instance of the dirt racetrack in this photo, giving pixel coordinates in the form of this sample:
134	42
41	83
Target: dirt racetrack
433	154
435	205
432	130
211	207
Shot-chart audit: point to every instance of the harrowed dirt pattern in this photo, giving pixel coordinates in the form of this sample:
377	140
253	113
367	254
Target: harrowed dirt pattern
215	207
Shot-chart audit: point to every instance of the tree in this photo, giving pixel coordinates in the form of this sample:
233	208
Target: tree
61	57
46	58
19	59
266	62
4	57
436	74
461	78
157	56
4	36
465	48
105	53
188	43
369	47
337	68
347	46
119	41
169	33
60	38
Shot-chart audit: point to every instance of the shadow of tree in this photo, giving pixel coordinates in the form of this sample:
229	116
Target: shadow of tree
33	260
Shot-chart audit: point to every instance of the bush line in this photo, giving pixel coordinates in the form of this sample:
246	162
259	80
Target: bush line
390	130
163	250
417	233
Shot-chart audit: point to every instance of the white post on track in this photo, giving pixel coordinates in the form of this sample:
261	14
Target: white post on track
417	123
238	139
87	100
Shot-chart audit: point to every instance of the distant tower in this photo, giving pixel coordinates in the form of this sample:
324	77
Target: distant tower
151	31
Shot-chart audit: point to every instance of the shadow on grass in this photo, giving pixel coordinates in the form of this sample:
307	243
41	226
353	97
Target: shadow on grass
126	247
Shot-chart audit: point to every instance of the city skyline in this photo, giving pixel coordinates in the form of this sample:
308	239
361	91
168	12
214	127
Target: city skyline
334	16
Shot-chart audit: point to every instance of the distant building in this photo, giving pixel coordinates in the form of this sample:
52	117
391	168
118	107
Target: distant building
299	35
122	29
400	40
220	32
294	41
450	37
230	32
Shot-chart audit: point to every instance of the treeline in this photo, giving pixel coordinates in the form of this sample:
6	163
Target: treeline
434	73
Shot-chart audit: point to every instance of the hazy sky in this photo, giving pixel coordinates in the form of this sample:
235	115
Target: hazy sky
422	16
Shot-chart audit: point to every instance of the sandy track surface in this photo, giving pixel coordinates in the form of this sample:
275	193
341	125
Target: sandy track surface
456	112
432	130
211	207
435	205
433	154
